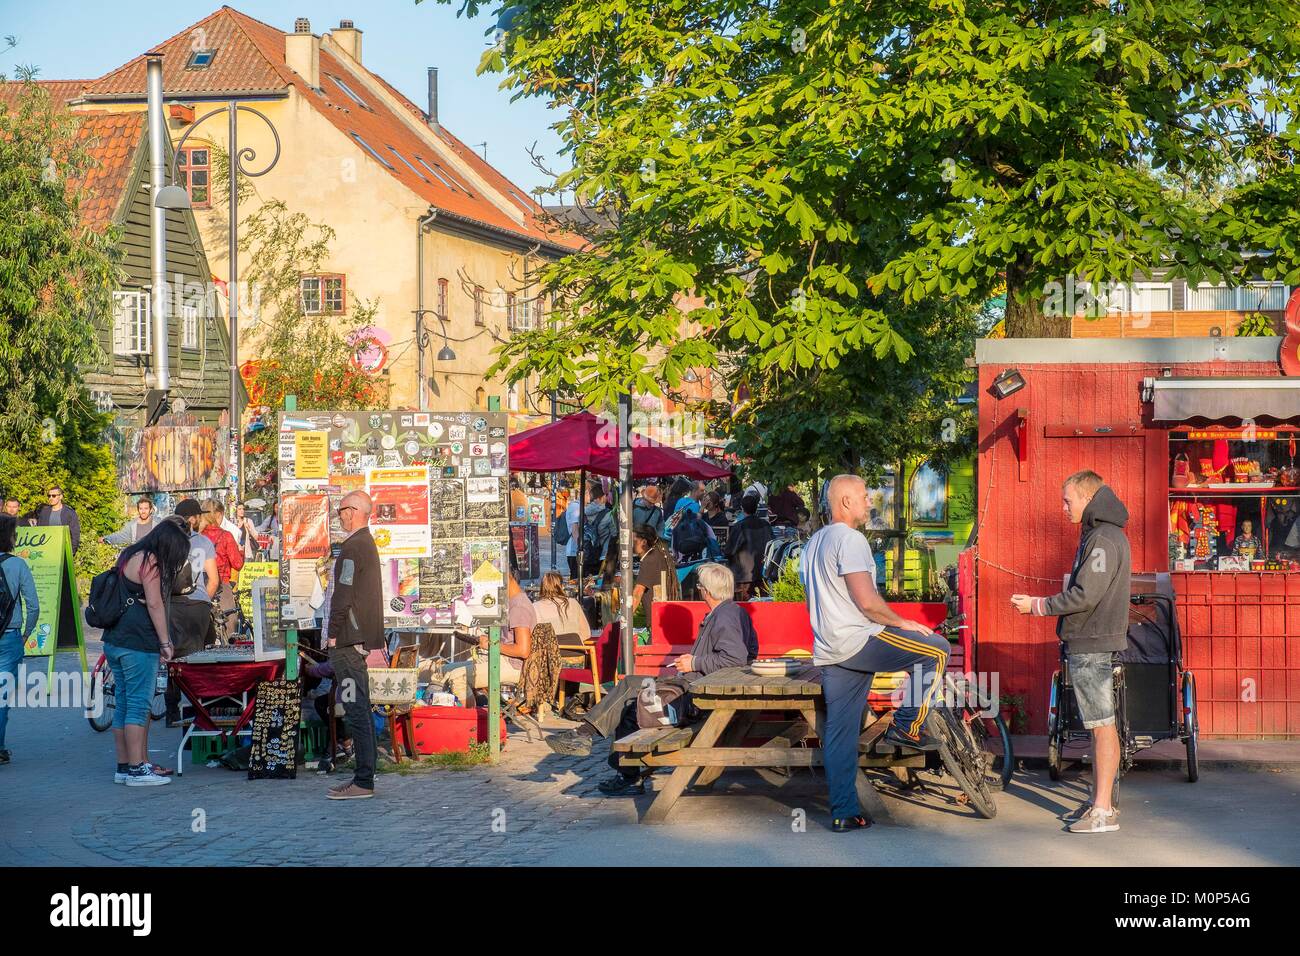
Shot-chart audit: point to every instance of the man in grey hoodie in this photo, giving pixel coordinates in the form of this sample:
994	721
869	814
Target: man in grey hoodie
1092	620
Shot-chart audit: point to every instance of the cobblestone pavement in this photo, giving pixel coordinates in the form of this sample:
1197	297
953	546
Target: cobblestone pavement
73	814
62	808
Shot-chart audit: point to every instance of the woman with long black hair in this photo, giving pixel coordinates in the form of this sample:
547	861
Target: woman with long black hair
136	643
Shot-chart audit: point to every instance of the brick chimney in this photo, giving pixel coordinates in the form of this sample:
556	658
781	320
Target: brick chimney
348	38
302	52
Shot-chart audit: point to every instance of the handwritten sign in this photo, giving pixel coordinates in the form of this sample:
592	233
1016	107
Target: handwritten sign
48	553
276	716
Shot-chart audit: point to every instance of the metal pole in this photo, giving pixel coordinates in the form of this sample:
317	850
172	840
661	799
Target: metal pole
236	427
291	635
158	222
582	524
625	531
494	693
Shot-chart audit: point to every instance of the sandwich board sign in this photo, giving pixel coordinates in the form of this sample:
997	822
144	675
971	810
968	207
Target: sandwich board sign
48	552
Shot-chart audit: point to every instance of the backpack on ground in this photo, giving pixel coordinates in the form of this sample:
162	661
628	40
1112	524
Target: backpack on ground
663	703
691	536
109	599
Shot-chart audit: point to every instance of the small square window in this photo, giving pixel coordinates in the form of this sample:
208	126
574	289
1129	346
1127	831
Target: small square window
190	327
322	294
310	286
200	59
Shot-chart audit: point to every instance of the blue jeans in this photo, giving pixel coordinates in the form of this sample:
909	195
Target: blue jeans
11	655
135	677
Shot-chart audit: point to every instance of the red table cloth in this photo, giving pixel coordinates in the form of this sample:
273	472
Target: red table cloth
208	681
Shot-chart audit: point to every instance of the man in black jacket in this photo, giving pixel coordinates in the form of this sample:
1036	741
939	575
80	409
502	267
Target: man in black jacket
58	513
354	627
746	547
726	639
1092	620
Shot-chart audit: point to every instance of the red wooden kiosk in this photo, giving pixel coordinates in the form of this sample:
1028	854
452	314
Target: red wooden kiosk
1196	436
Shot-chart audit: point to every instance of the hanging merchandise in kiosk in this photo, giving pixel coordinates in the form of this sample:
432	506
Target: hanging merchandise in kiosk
1234	499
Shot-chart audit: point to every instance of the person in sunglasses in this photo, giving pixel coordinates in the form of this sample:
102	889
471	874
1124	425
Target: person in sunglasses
58	513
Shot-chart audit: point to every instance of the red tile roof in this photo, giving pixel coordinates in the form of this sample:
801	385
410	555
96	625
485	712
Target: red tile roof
250	58
112	140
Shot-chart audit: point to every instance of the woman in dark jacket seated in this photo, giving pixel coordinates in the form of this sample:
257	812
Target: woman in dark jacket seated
726	639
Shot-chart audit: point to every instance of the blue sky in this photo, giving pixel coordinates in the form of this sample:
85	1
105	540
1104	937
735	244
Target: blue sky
83	40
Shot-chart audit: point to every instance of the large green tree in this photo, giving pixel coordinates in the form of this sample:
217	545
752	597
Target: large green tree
55	274
810	169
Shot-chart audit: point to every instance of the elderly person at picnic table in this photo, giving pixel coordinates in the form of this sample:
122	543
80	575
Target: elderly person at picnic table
726	639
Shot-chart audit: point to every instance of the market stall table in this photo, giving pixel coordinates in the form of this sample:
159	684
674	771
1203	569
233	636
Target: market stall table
221	674
735	698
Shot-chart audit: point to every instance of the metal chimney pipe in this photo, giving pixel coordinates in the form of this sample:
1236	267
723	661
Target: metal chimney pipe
433	98
158	221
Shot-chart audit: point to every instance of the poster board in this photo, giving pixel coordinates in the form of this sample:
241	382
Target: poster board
48	553
276	715
441	488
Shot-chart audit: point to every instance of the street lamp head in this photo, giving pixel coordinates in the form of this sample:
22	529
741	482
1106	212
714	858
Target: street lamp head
172	197
445	354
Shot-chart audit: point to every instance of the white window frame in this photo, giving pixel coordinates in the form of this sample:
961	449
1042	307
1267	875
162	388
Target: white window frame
1133	289
132	322
190	327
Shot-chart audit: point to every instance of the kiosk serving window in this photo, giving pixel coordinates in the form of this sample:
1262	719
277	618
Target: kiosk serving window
1234	499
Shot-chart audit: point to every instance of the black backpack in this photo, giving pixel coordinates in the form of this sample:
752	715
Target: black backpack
596	536
8	599
691	536
109	599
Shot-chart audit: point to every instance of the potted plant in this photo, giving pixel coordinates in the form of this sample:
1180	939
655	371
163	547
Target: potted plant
1011	707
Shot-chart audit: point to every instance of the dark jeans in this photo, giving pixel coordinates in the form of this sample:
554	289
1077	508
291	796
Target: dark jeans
191	631
615	717
352	678
573	567
844	688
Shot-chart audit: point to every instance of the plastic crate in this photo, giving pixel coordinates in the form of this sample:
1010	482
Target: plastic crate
315	739
203	749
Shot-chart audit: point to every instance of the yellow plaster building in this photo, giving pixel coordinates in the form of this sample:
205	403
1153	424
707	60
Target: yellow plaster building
422	222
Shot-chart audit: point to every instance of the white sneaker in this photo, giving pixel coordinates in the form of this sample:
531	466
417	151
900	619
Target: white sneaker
145	777
1096	821
121	777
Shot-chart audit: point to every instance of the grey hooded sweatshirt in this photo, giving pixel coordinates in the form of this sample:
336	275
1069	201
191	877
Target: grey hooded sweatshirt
1093	609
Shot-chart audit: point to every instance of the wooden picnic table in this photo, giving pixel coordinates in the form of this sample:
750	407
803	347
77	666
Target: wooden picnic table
735	699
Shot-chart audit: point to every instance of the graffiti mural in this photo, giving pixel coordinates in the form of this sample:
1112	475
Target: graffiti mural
172	457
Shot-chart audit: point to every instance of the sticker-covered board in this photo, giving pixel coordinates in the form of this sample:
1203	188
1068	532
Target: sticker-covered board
441	487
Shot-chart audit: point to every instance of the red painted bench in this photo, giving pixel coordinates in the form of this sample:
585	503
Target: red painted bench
782	626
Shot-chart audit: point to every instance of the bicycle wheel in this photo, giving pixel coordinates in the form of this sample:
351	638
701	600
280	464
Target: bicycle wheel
963	758
102	698
1191	726
995	742
1055	723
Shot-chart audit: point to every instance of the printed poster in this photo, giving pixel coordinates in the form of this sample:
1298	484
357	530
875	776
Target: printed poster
305	525
310	454
400	519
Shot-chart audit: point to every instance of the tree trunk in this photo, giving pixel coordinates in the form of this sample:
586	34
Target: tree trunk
1025	318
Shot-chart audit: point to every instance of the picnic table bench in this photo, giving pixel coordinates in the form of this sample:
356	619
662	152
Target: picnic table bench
783	713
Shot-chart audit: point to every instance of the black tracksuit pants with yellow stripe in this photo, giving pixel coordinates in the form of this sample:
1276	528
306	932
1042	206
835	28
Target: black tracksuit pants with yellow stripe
845	686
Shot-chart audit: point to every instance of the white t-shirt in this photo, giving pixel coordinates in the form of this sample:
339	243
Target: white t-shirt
840	630
571	519
570	620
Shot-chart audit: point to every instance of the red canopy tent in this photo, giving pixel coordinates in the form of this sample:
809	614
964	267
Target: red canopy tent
584	442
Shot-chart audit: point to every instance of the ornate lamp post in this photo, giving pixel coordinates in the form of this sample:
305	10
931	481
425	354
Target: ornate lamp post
176	197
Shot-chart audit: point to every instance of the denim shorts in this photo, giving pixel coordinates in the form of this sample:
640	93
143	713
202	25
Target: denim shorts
1092	676
135	681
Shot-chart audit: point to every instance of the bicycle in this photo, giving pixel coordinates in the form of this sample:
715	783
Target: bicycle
103	699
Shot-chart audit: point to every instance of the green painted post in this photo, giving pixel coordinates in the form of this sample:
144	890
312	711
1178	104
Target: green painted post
494	694
291	635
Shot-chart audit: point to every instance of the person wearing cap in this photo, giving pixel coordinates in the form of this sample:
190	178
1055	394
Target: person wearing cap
191	613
